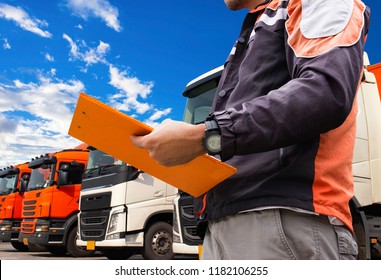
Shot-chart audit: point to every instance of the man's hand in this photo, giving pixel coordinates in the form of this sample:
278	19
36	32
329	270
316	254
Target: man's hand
172	142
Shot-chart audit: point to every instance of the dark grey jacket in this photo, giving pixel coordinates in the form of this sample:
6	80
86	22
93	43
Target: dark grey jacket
286	108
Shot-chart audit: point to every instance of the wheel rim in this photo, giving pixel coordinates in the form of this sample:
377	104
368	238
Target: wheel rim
81	249
162	243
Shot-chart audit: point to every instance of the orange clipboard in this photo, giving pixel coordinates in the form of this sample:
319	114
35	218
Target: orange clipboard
109	130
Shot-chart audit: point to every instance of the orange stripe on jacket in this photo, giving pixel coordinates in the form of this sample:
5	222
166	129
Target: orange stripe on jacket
304	47
333	183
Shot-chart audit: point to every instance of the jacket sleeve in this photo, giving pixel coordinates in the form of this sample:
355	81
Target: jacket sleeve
325	71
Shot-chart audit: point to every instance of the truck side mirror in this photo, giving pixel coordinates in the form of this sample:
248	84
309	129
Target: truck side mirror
133	173
70	173
23	185
24	180
63	175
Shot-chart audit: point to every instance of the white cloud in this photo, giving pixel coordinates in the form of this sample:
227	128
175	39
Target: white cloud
35	116
23	20
6	126
96	8
86	54
6	44
130	90
39	120
158	114
73	46
49	57
95	55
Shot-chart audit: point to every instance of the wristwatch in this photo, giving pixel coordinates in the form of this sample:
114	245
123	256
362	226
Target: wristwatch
212	138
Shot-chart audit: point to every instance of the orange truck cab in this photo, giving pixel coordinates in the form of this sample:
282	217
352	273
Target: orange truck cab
376	70
11	179
51	202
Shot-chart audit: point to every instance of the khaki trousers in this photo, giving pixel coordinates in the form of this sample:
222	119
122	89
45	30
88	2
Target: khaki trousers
277	234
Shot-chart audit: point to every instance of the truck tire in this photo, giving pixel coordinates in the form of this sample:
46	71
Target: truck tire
117	254
72	247
20	246
158	242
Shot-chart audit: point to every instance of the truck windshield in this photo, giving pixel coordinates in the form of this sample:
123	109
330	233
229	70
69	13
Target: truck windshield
98	159
198	106
7	184
40	177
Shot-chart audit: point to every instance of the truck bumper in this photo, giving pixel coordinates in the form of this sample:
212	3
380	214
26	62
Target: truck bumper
5	236
41	238
43	233
130	240
44	238
9	230
180	248
24	238
5	231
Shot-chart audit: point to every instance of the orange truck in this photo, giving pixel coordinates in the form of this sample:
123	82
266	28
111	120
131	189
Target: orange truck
51	202
12	180
376	70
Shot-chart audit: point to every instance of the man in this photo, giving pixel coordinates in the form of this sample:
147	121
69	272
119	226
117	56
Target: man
284	113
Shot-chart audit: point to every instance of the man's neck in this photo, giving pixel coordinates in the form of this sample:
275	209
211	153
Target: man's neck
256	3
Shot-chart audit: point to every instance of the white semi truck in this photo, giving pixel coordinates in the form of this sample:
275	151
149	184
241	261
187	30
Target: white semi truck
365	205
124	211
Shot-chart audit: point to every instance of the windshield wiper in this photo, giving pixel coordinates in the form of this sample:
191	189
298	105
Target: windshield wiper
105	166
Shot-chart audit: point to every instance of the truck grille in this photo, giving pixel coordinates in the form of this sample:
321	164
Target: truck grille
93	224
28	227
191	233
29	207
187	212
188	220
94	220
93	233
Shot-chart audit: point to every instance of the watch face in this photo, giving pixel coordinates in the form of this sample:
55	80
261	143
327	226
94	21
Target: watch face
213	143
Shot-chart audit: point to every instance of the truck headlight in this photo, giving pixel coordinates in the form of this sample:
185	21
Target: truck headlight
44	228
5	228
115	218
113	236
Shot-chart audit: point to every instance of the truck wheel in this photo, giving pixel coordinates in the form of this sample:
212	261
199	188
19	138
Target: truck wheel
58	251
20	246
72	247
158	242
117	254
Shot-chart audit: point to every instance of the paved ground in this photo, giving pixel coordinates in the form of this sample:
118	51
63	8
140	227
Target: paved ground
7	252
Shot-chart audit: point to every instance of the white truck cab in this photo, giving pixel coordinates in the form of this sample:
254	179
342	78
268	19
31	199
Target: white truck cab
124	211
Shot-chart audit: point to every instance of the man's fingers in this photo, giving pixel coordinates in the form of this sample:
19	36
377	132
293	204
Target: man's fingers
137	141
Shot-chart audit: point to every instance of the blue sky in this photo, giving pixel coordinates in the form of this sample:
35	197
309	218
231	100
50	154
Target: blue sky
136	56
